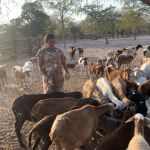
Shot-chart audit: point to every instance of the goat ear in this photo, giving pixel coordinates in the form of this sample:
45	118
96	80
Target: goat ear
147	122
130	119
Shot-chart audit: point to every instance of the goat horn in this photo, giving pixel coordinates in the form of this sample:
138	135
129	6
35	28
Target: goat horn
130	119
147	122
147	119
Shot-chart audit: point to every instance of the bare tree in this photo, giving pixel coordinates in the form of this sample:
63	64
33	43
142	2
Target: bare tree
62	9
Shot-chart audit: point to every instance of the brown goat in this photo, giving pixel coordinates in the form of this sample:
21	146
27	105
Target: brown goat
119	88
89	87
55	105
81	124
51	106
111	73
71	66
96	69
72	51
125	59
145	88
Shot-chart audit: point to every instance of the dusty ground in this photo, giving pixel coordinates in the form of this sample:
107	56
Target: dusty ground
8	140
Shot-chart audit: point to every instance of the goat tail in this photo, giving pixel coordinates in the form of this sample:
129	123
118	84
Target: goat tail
15	112
30	135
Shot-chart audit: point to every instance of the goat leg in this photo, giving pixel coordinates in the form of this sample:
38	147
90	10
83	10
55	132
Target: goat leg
18	127
47	143
58	147
119	66
37	141
3	83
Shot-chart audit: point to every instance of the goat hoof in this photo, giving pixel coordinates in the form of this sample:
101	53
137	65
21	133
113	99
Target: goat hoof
23	145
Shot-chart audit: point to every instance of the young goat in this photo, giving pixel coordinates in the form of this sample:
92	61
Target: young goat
138	141
71	66
19	75
96	68
28	67
72	51
80	50
81	124
82	61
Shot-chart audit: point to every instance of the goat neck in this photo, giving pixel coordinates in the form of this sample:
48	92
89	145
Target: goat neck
139	127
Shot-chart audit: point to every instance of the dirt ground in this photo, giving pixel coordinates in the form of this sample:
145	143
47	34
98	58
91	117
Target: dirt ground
93	48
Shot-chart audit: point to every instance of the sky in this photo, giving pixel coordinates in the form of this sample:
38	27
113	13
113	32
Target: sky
10	9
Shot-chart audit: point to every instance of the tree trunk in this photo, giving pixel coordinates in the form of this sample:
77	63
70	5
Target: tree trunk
63	30
134	34
74	36
106	39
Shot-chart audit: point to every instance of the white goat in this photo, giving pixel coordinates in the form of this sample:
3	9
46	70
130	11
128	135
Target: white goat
139	76
146	52
20	75
104	86
146	69
82	61
28	66
138	141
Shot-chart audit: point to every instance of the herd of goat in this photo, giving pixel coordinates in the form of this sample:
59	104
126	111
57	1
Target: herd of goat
113	109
